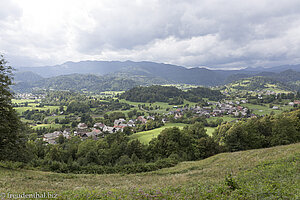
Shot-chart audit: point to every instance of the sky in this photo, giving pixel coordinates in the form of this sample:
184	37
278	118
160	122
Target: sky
223	34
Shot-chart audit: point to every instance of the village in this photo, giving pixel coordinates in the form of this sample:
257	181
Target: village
234	109
99	130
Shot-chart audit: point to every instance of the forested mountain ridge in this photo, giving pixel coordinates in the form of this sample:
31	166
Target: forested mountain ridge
166	72
27	76
78	82
100	76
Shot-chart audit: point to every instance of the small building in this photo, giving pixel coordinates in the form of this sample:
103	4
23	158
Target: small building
119	121
82	126
51	137
94	134
291	104
99	125
142	119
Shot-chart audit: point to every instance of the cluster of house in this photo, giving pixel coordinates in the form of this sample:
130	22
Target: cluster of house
98	130
29	96
214	109
266	92
51	138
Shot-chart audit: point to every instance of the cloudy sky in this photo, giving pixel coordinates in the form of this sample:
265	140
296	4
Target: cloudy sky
213	33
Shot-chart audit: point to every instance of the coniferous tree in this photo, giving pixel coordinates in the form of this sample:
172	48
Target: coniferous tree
12	141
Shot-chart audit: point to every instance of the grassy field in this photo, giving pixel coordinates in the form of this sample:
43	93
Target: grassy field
225	118
271	173
21	101
265	109
146	136
47	126
32	106
210	130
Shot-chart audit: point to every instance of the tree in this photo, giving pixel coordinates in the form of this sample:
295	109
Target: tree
12	142
171	141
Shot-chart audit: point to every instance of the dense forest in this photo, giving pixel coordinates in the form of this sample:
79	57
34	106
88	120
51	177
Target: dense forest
170	94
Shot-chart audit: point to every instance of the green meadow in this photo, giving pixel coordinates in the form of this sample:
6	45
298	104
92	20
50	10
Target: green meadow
271	173
225	118
146	136
265	109
32	106
58	126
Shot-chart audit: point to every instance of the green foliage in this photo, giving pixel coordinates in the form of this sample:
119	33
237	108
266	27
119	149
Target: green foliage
270	177
169	94
12	142
151	94
62	98
79	82
260	132
195	94
231	182
191	143
75	106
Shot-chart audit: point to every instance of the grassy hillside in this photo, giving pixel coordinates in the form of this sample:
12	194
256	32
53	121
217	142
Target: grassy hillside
257	83
271	173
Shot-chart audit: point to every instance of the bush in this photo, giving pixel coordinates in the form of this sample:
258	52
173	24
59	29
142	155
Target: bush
12	165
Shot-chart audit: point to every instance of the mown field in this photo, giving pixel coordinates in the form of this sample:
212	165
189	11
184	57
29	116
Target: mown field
225	118
146	136
271	173
265	109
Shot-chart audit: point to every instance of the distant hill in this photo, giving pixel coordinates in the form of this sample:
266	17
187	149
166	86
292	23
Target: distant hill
163	72
78	82
27	76
288	79
100	75
275	69
259	83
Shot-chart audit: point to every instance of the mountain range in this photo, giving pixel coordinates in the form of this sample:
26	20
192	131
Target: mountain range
117	75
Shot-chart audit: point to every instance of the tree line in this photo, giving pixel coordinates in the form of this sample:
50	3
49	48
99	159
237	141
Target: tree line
170	94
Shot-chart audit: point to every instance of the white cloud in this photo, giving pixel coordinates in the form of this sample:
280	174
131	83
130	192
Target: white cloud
215	33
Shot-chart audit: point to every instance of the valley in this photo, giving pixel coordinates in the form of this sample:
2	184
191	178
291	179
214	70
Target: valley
135	130
150	100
